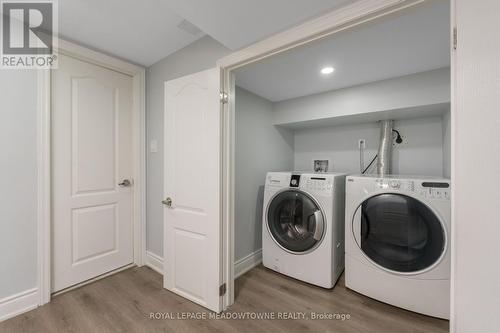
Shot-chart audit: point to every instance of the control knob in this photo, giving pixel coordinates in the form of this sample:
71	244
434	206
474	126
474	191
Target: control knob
395	185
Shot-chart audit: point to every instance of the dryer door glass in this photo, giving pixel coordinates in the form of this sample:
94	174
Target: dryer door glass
295	221
400	233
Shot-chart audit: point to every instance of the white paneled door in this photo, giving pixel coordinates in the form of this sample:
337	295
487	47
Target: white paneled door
192	188
92	169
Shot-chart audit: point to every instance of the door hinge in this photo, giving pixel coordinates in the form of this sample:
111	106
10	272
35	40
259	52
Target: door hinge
223	97
222	289
455	38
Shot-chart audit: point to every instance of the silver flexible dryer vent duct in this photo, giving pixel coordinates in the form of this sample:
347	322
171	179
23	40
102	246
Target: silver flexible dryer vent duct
385	148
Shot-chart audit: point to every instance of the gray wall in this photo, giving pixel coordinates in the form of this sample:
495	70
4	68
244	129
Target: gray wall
260	147
196	57
420	153
18	196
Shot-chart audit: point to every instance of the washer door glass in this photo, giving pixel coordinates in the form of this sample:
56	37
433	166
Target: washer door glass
400	233
295	221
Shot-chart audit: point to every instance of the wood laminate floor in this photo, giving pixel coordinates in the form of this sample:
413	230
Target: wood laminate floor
124	302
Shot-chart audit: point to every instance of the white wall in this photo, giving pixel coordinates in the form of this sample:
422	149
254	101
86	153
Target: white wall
404	94
196	57
476	160
18	191
421	152
260	147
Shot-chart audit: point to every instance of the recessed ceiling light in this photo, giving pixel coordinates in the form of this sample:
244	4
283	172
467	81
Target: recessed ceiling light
327	70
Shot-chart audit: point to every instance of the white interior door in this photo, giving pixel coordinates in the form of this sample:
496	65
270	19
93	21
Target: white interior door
192	188
91	155
475	295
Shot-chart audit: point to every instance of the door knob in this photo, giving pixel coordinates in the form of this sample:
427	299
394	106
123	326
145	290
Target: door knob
125	183
167	202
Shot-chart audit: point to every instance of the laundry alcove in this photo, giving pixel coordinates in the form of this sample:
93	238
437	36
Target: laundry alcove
288	114
262	146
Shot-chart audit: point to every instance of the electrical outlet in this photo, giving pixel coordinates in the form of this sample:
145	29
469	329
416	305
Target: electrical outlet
362	144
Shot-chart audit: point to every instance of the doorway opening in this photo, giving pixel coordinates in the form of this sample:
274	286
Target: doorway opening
316	107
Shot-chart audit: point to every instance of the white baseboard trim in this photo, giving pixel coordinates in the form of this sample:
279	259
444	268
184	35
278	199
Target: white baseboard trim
245	264
19	303
241	266
155	262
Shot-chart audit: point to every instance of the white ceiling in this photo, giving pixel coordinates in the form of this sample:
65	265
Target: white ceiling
137	30
145	31
238	23
409	42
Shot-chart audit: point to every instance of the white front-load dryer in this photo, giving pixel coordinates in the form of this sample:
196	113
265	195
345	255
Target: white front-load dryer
398	241
303	226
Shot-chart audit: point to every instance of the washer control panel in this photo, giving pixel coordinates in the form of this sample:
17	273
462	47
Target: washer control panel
427	189
278	179
316	183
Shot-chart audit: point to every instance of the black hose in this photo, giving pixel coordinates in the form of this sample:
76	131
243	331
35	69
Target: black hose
369	165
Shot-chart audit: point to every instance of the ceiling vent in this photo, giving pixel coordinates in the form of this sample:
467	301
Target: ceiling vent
190	28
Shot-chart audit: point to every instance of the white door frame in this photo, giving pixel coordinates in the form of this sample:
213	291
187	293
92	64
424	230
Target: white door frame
359	12
44	158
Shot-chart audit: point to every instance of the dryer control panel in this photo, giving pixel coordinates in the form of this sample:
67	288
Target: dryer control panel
437	191
427	189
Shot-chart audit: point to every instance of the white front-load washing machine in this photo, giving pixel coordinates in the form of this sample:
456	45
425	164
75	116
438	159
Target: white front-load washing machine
398	241
303	226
